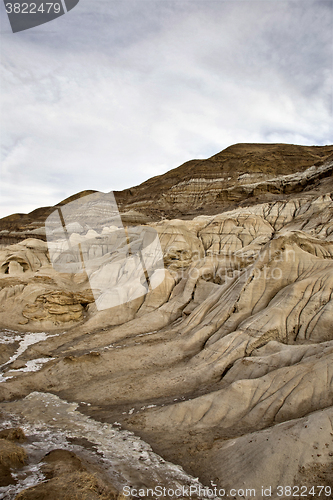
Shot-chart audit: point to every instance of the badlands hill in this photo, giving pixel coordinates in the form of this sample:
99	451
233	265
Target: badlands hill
240	175
224	368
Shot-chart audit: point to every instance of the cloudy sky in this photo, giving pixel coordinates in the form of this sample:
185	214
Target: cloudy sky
117	91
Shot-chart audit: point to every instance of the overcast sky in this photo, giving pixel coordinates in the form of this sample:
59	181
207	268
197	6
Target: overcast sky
117	91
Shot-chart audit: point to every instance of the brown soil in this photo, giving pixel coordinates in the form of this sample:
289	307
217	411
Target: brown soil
69	478
12	456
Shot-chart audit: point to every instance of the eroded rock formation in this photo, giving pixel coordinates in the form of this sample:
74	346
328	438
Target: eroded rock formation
224	368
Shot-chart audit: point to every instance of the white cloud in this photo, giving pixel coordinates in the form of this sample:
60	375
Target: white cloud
105	99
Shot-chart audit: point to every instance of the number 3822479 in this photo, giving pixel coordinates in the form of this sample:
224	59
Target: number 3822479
31	8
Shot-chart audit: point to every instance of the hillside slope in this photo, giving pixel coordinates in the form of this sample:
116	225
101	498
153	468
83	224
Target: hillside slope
240	175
